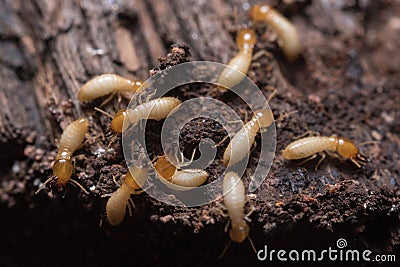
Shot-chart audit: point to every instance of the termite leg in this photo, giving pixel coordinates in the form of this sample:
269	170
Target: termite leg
253	147
308	133
323	155
130	206
330	173
222	209
308	159
117	183
119	98
226	228
79	185
225	249
182	161
247	216
147	98
74	165
112	141
108	99
334	155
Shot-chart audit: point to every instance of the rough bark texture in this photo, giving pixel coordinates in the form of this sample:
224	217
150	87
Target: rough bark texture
346	83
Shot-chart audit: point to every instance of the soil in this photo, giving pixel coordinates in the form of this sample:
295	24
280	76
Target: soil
345	83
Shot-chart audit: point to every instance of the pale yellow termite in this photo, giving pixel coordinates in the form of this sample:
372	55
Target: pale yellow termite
184	179
241	143
240	63
156	109
132	183
71	139
234	200
310	147
289	40
105	84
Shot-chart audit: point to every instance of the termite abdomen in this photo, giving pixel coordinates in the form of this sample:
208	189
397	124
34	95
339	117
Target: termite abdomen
105	84
289	39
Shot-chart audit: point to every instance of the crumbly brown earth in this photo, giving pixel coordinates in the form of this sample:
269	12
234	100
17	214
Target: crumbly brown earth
346	83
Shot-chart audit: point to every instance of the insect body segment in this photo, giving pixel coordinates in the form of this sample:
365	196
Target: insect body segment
288	35
187	178
241	61
71	139
118	201
156	109
105	84
241	143
234	200
118	121
311	146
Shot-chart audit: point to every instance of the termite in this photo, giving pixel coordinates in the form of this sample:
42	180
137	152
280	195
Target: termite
132	183
289	40
156	109
71	139
240	63
241	143
311	147
184	179
234	200
108	83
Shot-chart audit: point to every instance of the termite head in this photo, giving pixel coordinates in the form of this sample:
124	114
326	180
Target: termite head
264	117
136	177
246	39
259	12
117	122
62	171
349	150
164	168
240	232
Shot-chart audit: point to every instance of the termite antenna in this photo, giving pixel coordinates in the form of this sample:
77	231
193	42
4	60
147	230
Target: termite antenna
368	143
228	244
252	244
284	116
44	185
76	183
103	112
272	95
